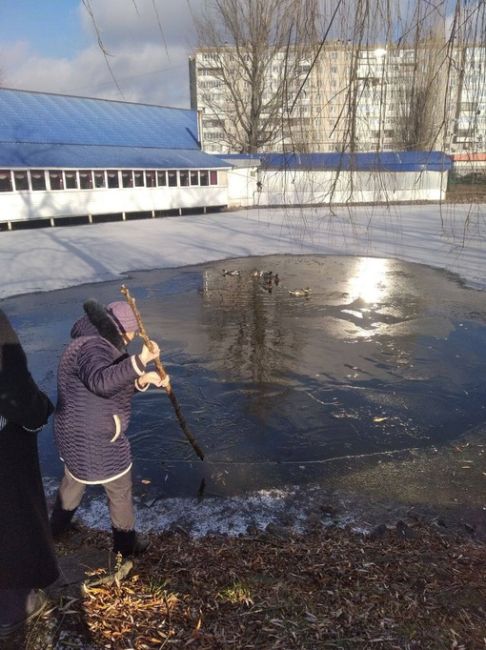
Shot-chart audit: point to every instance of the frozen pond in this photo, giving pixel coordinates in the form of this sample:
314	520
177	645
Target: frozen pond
278	389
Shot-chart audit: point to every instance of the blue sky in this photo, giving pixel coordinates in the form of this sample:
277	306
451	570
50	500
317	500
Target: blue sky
51	26
51	45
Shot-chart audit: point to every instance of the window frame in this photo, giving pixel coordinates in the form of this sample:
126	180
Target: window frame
138	175
88	174
183	177
26	174
99	172
57	175
70	173
172	175
124	173
8	181
112	173
150	178
42	174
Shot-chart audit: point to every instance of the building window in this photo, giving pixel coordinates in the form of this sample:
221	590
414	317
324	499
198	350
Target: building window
127	179
113	180
194	178
213	177
172	178
469	106
150	179
70	180
161	178
85	180
204	176
21	181
212	123
38	179
99	178
184	178
138	178
219	135
5	180
55	180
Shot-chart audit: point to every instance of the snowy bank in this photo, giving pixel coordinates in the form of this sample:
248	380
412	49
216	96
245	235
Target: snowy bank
445	236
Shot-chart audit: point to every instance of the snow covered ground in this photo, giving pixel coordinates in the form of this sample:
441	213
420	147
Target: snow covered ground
449	237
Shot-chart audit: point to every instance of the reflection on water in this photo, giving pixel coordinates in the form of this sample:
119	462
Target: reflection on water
368	281
379	356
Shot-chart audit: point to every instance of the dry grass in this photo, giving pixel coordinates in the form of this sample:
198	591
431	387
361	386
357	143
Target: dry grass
406	588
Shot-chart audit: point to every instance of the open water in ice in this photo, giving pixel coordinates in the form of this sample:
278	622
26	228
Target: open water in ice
380	356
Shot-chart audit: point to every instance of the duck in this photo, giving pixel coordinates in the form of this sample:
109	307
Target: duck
300	292
256	274
233	272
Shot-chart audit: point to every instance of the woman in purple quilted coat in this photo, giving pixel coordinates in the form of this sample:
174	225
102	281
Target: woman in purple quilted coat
97	379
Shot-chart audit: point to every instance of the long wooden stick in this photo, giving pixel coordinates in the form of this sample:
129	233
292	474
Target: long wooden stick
162	373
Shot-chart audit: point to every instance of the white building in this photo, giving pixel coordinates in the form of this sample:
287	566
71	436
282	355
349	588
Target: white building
74	160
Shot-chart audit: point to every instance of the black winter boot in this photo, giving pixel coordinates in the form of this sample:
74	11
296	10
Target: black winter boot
127	542
60	520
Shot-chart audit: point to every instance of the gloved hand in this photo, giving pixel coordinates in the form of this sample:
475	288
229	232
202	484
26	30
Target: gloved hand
153	378
146	355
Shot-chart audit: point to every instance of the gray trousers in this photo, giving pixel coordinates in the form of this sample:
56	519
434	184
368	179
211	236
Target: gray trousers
119	493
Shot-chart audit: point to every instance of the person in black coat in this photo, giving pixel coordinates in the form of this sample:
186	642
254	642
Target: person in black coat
27	559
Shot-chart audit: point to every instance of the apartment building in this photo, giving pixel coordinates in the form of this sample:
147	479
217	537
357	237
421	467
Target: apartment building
467	126
288	103
341	98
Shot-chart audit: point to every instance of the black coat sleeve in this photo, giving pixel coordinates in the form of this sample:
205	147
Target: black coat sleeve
21	401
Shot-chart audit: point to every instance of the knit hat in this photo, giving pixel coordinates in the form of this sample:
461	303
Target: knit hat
122	314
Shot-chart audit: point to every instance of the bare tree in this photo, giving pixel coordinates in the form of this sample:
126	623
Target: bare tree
257	52
420	97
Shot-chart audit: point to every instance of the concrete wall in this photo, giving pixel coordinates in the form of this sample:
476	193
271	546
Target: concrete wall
21	206
242	186
239	189
311	187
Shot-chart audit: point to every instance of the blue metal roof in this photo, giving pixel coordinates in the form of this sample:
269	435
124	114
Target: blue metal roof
402	161
46	130
91	156
241	156
58	119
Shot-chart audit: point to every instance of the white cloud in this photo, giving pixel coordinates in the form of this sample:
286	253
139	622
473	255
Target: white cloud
12	55
149	62
122	21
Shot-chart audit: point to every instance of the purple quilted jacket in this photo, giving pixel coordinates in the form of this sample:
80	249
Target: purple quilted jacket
96	383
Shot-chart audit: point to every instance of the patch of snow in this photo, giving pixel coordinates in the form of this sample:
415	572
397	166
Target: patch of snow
444	236
232	516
